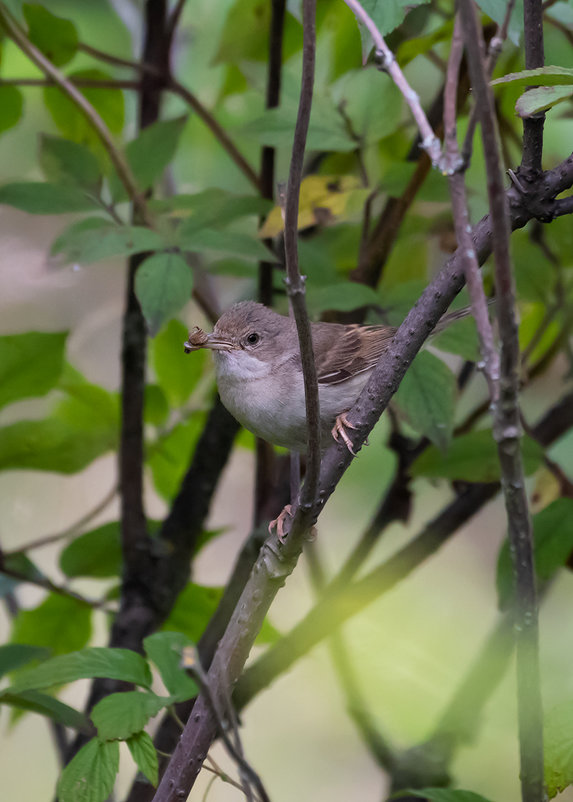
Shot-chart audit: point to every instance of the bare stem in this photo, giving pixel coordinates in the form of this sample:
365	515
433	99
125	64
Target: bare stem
462	225
507	432
294	281
430	142
534	57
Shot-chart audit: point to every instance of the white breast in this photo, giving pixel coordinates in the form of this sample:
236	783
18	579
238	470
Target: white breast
271	404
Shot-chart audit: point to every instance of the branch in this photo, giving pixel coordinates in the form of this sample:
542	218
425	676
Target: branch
341	600
118	159
495	47
171	84
534	57
430	142
273	91
456	181
276	561
507	429
294	281
70	531
81	83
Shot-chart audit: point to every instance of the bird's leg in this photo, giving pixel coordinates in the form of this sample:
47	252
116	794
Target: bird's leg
341	424
279	523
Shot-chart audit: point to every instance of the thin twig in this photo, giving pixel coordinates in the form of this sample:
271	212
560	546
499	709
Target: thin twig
495	47
45	65
81	83
343	599
171	84
507	428
272	100
43	582
189	97
224	720
463	229
387	62
294	281
70	531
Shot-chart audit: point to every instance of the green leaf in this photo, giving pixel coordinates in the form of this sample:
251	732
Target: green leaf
121	715
24	566
169	457
156	408
427	396
544	97
275	128
541	76
64	443
496	9
16	655
95	554
558	748
36	197
214	207
57	38
90	776
30	364
371	102
177	376
227	242
120	664
553	544
45	705
473	458
150	153
388	14
344	296
60	624
410	48
145	755
94	239
165	649
163	285
193	609
11	107
72	123
67	162
442	795
460	338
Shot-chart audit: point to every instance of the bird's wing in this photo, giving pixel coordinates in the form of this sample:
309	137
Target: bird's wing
345	351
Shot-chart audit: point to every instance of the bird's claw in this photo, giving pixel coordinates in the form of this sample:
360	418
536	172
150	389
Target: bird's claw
279	523
341	424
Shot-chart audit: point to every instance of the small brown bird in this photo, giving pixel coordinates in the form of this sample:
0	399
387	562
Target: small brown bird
259	373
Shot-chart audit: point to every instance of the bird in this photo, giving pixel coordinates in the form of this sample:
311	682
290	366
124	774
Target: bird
259	370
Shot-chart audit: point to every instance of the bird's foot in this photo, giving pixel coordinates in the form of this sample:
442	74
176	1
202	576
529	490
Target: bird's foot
279	523
341	424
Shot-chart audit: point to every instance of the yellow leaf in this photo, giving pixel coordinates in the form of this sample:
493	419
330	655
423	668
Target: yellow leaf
323	199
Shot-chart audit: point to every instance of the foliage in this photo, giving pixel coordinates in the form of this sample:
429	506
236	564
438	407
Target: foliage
373	223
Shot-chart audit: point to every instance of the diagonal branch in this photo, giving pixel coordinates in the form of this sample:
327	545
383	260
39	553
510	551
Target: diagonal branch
430	142
342	600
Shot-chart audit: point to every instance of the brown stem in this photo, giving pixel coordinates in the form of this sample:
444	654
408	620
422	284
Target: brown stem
534	57
507	429
429	141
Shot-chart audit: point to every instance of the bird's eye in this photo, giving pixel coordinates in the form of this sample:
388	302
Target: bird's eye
252	338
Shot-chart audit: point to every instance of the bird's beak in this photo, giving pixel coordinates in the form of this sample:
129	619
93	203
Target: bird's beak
199	339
